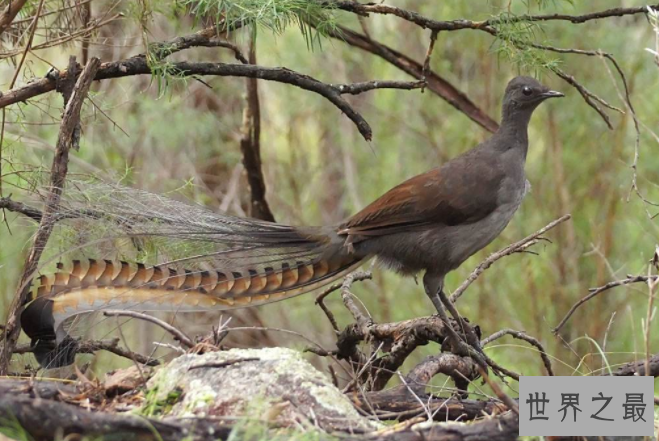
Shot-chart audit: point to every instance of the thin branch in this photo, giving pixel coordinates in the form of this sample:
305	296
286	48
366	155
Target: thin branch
454	366
223	364
649	366
357	276
587	95
512	405
435	83
579	19
596	291
17	71
489	26
510	249
139	65
204	38
92	346
19	207
431	47
357	88
460	24
362	320
176	333
70	119
67	37
54	11
527	338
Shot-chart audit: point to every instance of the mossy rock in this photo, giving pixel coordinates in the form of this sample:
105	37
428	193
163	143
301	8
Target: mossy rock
275	385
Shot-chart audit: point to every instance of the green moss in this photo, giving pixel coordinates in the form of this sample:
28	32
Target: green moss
154	406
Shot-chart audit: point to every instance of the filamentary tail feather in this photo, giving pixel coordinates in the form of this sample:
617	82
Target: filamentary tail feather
228	263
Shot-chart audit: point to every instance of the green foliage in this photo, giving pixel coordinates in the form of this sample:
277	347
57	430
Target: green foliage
12	429
542	4
514	43
154	406
274	15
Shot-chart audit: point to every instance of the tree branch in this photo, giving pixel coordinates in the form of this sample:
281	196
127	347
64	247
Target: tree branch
434	82
510	249
175	332
527	338
70	120
250	146
460	24
10	12
489	26
638	368
92	346
596	291
19	207
138	65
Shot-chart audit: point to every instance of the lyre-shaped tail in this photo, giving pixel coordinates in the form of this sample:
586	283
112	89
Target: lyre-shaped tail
207	260
97	285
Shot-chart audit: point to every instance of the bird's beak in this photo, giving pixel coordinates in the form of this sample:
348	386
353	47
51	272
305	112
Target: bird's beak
551	94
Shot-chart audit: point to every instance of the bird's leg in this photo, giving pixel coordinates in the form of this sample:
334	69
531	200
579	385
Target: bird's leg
467	330
434	287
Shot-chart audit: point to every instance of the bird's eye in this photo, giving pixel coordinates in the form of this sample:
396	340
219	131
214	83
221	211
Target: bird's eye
526	90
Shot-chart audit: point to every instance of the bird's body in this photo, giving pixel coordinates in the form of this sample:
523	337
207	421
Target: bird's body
435	221
442	216
432	223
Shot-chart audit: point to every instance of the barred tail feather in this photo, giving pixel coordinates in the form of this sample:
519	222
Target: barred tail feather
97	285
201	260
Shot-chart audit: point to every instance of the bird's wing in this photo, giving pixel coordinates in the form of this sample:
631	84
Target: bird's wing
463	191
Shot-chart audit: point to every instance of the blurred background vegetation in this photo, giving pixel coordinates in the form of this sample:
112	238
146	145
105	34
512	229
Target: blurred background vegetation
167	133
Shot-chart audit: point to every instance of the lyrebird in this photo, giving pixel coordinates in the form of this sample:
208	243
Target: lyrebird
432	223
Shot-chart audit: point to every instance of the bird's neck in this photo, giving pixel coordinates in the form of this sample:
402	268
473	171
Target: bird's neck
513	131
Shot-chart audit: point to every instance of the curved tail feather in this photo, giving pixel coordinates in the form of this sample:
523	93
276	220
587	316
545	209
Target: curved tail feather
97	285
202	260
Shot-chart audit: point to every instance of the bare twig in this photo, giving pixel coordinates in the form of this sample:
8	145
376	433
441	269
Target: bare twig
461	369
626	98
527	338
652	293
19	207
222	364
512	405
456	25
357	276
357	88
92	346
431	46
65	38
587	95
175	332
510	249
596	291
70	119
8	15
362	320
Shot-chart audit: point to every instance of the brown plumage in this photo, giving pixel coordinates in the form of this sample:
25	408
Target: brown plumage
432	222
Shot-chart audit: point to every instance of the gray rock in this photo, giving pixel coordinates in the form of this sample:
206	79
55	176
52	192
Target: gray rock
275	385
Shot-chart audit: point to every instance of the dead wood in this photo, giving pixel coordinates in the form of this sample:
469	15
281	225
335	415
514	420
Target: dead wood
42	417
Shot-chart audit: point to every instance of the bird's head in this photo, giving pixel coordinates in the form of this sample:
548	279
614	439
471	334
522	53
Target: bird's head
524	94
